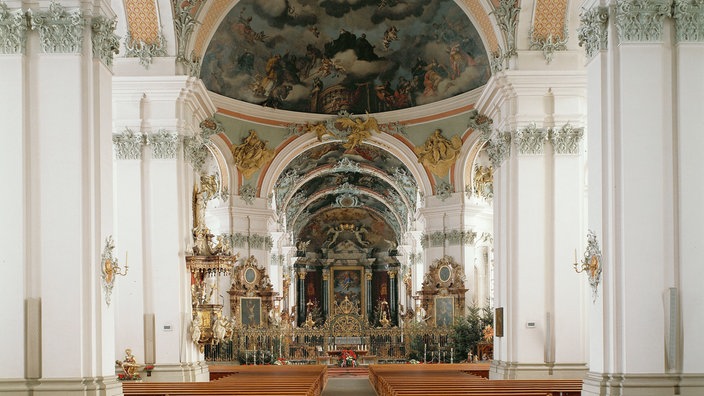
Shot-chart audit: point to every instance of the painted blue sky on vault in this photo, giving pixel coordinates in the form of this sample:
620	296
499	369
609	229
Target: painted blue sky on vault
331	55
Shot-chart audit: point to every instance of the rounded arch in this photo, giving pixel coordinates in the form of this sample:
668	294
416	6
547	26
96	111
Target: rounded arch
295	147
468	153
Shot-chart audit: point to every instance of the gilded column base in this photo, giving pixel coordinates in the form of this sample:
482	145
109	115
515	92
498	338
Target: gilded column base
513	370
93	386
643	384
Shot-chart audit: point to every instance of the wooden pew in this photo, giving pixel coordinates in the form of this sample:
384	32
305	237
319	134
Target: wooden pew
246	380
437	379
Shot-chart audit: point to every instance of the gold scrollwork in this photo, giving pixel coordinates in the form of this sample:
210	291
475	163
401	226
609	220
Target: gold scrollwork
252	154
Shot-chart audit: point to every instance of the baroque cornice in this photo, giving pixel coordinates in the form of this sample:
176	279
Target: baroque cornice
689	20
451	237
128	145
641	20
566	139
592	31
164	145
13	30
106	43
60	31
530	140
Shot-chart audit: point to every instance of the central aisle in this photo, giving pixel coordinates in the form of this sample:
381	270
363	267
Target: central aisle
348	387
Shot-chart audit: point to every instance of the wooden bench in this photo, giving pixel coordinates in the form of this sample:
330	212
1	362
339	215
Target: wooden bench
242	380
456	379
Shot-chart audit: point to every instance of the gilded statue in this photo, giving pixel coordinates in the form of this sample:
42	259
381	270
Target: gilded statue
252	154
320	130
360	130
483	181
438	153
129	364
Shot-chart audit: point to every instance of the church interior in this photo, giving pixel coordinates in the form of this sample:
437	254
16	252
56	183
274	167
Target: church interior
192	184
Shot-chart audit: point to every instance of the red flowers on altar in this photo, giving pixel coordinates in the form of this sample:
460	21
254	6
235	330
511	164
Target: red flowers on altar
348	358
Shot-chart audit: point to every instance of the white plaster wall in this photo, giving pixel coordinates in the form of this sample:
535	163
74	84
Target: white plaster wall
690	139
14	255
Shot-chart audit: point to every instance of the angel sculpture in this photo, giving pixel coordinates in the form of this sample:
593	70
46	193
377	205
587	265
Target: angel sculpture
320	130
360	130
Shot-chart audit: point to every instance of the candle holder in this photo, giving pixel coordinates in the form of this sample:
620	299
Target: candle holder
591	264
110	268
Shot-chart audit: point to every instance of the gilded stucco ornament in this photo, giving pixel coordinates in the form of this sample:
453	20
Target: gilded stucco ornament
60	31
641	20
13	30
566	139
106	43
163	144
109	268
689	20
530	140
498	147
591	263
550	44
128	145
438	153
483	182
146	52
592	31
251	155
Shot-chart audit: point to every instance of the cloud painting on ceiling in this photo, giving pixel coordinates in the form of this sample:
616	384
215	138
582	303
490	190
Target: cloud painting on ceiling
333	55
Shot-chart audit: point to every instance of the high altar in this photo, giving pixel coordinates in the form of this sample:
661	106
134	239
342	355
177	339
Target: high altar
347	269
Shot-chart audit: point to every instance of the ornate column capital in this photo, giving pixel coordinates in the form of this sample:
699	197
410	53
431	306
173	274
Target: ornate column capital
641	20
146	52
60	31
302	274
566	139
531	140
392	273
105	42
592	31
689	20
163	144
499	148
128	145
13	30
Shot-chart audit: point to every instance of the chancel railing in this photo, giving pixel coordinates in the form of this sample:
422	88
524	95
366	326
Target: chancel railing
310	345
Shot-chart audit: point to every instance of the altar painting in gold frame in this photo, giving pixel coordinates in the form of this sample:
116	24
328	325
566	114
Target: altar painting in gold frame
444	311
250	311
348	282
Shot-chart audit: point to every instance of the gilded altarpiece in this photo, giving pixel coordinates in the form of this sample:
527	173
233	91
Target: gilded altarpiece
443	293
252	295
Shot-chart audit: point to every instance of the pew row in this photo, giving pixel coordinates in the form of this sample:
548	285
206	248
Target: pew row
456	379
245	380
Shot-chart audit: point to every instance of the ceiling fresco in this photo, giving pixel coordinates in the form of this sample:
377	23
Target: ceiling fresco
377	233
326	56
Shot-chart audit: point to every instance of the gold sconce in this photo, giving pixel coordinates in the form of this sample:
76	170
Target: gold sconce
110	267
591	264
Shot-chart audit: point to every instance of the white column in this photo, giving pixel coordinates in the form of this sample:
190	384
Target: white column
58	162
15	170
537	223
641	206
690	146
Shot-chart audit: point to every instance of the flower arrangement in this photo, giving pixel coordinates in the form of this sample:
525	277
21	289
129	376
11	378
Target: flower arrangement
281	362
125	377
413	361
347	358
148	368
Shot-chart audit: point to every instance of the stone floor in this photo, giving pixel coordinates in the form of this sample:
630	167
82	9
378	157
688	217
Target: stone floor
359	386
